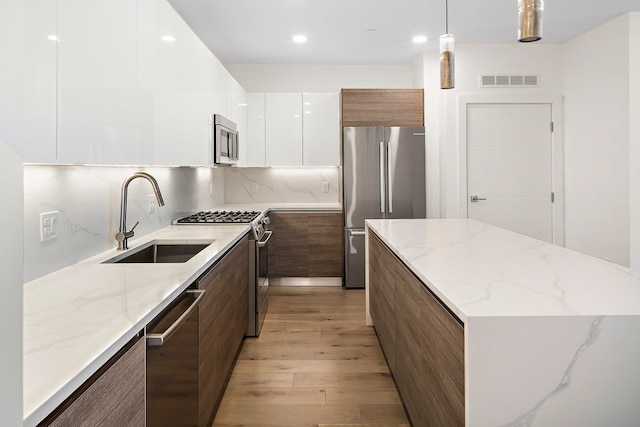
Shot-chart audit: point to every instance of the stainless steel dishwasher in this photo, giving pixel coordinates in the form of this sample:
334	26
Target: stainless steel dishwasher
172	363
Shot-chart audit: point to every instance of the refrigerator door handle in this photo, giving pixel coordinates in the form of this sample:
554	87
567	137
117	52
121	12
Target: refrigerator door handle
390	173
382	180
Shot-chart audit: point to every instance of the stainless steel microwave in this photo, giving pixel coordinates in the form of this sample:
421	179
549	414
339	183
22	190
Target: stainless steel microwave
225	140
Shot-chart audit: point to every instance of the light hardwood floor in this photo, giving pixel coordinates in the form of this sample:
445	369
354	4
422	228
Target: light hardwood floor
315	363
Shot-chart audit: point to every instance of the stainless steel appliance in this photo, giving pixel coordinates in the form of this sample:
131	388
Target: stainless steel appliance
258	257
383	177
224	134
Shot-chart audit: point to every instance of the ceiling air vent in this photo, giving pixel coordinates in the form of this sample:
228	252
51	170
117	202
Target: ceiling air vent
508	81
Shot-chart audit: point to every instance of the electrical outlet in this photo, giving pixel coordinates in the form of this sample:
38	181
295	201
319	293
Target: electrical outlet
48	226
325	187
254	187
151	204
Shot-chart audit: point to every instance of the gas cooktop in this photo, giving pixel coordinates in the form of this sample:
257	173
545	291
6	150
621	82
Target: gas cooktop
219	217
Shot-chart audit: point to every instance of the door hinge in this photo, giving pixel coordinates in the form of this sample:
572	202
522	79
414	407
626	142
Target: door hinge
553	197
551	126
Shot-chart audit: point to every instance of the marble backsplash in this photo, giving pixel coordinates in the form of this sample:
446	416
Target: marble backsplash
282	185
87	199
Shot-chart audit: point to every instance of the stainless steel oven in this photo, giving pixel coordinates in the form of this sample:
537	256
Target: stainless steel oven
224	134
258	257
259	304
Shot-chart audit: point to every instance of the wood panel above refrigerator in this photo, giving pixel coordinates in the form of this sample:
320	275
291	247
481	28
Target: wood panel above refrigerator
382	107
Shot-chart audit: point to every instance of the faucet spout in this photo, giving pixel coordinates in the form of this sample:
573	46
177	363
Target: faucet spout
123	235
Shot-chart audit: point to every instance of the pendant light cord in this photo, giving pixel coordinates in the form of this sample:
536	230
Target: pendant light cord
446	16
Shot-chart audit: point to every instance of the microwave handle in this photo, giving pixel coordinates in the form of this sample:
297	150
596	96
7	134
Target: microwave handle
236	146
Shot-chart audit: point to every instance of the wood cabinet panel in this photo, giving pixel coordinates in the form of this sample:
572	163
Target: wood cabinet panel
325	245
382	107
113	397
289	245
172	368
305	244
223	322
428	341
382	297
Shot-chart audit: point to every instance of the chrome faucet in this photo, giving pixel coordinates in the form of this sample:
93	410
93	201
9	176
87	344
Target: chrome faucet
123	235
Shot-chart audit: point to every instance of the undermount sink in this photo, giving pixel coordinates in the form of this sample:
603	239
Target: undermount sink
156	252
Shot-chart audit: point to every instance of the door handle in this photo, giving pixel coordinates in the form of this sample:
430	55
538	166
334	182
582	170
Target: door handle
157	340
390	172
475	199
382	189
264	239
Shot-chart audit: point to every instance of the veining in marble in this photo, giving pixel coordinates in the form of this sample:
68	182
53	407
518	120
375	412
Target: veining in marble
88	203
281	185
478	269
76	318
552	336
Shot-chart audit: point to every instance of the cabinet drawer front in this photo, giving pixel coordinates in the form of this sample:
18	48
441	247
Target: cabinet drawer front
116	398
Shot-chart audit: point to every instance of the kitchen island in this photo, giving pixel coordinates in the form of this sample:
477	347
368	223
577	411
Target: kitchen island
548	336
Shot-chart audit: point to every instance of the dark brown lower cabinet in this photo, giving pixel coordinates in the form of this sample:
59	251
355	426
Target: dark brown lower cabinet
305	244
382	304
113	397
427	345
223	322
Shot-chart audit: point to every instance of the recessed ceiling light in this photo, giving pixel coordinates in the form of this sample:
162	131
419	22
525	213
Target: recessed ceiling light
419	39
168	38
299	38
53	38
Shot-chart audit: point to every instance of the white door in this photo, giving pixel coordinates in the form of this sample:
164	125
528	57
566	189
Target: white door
509	174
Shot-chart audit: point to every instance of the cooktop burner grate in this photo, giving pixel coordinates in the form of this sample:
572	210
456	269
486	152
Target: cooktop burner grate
219	217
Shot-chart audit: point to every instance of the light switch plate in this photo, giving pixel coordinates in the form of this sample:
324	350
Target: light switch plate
48	226
325	187
254	187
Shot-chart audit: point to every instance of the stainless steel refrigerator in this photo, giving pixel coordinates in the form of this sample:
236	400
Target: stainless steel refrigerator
383	177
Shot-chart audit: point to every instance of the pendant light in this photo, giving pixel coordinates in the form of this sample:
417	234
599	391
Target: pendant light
530	20
447	46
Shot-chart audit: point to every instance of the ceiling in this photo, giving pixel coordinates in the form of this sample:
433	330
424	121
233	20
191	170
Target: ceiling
372	31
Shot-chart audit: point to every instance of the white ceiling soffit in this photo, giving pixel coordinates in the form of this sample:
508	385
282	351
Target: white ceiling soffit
373	31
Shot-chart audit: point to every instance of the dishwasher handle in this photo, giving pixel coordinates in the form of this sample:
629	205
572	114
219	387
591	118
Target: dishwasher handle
157	340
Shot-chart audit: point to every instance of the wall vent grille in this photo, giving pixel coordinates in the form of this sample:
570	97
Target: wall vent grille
503	80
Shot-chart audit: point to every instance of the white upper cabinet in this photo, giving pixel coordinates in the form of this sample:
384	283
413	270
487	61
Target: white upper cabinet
99	103
40	84
239	105
321	129
293	129
255	137
284	129
121	82
176	74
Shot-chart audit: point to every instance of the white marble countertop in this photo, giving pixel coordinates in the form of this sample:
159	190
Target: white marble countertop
75	319
479	270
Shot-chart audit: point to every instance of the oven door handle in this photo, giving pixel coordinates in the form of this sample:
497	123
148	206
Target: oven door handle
264	239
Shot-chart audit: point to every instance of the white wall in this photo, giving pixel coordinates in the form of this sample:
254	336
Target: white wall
444	173
88	203
11	253
596	89
634	139
320	78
